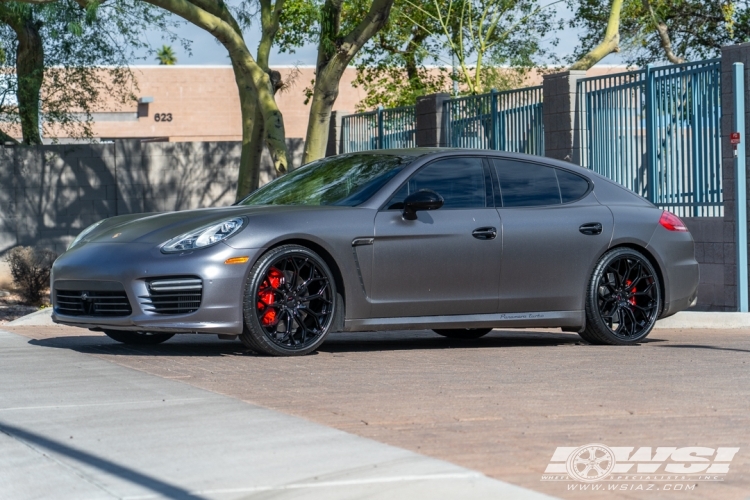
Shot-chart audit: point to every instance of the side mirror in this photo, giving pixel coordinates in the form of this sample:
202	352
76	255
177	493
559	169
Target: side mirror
424	199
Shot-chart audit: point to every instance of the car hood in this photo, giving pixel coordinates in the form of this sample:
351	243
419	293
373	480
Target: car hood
159	228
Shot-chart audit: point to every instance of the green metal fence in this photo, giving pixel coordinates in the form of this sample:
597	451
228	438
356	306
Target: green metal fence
657	132
504	121
391	128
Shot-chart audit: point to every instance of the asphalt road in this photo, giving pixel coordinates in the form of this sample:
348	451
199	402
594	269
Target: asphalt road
500	405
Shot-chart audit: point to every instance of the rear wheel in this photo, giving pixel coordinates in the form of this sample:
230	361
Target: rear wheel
290	302
623	299
463	333
138	338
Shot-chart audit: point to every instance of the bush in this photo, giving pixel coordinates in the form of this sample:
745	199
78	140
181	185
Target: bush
30	269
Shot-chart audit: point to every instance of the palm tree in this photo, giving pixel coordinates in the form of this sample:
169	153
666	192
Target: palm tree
166	56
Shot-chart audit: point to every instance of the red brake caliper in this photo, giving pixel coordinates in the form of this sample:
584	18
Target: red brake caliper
631	299
266	297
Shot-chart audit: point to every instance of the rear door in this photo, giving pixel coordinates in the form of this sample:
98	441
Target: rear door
447	261
554	230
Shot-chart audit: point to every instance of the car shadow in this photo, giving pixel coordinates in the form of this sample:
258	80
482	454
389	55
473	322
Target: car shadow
209	345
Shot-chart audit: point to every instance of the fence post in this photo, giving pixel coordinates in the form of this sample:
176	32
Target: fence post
429	114
651	146
561	137
493	116
740	175
380	127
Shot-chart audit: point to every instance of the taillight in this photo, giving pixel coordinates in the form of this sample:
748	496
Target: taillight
671	222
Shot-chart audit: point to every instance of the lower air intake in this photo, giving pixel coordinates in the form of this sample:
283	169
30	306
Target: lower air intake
173	295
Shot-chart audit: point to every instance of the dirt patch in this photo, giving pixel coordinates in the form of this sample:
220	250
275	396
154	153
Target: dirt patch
13	307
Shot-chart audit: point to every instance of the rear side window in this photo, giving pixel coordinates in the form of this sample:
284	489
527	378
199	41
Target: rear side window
527	184
572	186
460	181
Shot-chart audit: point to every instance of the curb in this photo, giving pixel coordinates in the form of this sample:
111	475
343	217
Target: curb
705	320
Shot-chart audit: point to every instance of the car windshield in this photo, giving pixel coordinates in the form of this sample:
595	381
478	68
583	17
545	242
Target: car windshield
345	180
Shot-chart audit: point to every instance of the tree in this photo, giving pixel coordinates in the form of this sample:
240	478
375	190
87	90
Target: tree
166	56
672	30
253	82
68	61
485	35
392	67
337	47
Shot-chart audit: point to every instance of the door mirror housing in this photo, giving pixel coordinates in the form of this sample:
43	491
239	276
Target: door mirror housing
424	199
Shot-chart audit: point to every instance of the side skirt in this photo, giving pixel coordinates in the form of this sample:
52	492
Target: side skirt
543	319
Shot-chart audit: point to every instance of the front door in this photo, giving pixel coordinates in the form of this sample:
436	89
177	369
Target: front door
446	262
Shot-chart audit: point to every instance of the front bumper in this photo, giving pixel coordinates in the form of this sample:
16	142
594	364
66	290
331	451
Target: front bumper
133	264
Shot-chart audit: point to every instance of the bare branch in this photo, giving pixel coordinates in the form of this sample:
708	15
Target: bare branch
610	43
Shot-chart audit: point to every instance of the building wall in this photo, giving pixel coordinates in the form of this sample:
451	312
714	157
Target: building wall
201	103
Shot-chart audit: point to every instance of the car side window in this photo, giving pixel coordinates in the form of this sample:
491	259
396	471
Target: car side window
572	186
460	181
525	184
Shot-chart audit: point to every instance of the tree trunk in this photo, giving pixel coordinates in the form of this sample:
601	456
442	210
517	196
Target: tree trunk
252	117
214	18
324	96
252	137
335	52
610	43
663	33
30	73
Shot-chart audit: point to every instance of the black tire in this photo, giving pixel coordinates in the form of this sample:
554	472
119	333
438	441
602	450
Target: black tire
138	338
623	299
463	333
290	304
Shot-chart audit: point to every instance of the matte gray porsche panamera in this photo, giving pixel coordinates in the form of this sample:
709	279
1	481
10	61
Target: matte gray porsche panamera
458	241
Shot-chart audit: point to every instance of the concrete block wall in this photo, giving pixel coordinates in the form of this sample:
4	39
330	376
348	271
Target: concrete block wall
561	129
48	194
717	255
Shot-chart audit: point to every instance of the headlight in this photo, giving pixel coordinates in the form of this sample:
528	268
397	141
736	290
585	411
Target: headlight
83	234
204	237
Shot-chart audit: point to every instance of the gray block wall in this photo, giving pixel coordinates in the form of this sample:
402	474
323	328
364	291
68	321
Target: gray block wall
48	194
561	128
716	254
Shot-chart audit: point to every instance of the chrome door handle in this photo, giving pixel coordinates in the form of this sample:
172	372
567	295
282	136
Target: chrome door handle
591	228
485	233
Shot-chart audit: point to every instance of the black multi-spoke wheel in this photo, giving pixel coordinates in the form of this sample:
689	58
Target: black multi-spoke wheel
290	302
623	299
463	333
138	338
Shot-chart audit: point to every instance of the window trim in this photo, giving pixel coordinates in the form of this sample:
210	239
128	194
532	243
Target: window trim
499	199
489	186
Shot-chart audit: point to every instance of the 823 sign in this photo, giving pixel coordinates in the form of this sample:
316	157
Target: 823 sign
163	117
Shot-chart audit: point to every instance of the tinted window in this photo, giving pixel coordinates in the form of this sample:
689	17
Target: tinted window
527	184
346	180
460	181
572	186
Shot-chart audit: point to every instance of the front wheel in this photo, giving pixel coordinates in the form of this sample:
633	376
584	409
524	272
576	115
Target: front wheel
138	338
463	333
290	302
623	299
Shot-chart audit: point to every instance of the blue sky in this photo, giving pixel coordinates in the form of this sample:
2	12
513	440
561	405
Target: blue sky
206	51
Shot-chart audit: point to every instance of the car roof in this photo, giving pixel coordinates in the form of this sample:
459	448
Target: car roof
439	151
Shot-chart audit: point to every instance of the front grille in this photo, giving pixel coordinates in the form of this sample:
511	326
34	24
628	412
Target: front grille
92	303
173	295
